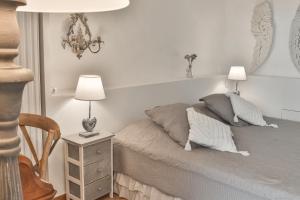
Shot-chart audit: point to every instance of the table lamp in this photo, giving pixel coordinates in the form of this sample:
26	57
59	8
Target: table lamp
237	73
89	88
13	78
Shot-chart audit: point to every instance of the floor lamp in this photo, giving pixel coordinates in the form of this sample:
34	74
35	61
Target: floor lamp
13	78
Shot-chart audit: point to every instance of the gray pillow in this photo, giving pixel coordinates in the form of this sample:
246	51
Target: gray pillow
220	104
173	119
201	108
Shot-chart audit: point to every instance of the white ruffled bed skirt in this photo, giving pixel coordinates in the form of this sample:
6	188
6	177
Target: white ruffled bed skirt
131	189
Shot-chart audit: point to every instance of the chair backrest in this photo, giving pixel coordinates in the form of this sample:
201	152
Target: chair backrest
53	134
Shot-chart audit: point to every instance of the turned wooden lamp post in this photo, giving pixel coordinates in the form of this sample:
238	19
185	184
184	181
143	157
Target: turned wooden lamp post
13	78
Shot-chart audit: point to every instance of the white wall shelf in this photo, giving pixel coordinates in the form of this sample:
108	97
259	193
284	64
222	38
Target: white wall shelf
57	92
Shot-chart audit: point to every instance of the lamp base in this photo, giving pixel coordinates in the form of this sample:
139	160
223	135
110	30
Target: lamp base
88	134
89	124
237	92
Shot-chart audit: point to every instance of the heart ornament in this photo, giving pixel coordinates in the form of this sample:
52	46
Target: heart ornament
89	124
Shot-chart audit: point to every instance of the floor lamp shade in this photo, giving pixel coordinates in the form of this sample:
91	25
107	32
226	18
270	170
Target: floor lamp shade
73	6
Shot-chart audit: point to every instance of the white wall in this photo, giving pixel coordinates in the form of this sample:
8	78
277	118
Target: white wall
240	42
273	86
145	44
280	63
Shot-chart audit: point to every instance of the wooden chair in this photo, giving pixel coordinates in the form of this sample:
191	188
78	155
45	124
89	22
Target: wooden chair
53	135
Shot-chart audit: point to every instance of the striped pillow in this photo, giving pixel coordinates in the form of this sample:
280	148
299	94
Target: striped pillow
247	111
210	133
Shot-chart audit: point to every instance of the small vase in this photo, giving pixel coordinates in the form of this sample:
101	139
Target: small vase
189	73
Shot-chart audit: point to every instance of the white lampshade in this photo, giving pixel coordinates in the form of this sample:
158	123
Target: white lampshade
90	88
72	6
237	73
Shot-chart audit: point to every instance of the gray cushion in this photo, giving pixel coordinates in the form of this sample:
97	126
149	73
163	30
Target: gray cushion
173	119
201	108
220	105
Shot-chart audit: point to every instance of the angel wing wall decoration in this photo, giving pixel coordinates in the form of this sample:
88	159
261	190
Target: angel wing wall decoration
262	28
295	40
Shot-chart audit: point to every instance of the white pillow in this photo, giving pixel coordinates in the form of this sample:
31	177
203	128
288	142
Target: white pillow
247	111
210	133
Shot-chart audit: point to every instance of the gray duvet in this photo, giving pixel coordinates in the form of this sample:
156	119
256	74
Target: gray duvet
272	171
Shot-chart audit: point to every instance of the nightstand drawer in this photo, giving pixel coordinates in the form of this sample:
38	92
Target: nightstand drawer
96	171
98	188
96	152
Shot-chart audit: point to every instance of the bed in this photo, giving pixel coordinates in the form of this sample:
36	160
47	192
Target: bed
144	152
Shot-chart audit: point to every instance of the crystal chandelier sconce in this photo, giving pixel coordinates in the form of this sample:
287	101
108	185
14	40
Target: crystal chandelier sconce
79	37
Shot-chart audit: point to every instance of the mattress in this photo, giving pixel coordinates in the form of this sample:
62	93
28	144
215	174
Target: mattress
272	171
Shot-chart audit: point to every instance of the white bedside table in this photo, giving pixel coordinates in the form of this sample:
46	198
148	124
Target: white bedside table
88	166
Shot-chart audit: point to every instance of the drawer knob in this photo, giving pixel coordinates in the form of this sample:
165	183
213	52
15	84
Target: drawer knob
99	170
99	189
99	152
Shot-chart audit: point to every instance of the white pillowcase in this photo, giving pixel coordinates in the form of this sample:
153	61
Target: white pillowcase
209	132
247	111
